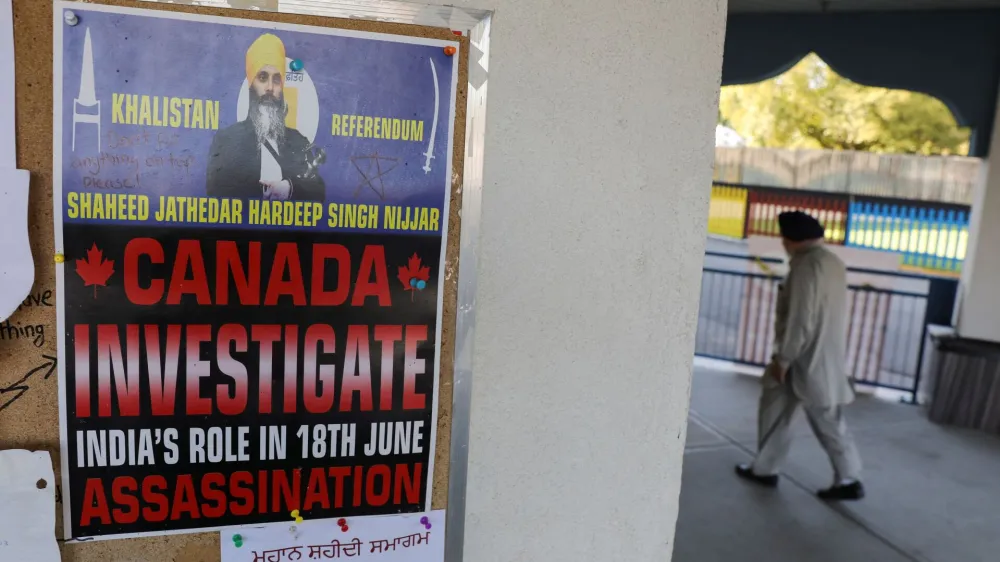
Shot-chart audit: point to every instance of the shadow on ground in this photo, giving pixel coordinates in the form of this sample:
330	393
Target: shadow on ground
933	491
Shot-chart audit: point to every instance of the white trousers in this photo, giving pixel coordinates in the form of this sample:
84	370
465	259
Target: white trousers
775	413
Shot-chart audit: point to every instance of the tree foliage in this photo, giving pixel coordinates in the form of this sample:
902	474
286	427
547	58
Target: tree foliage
810	106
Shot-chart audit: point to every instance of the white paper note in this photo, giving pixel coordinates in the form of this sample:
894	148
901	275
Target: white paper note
17	268
392	538
28	515
8	152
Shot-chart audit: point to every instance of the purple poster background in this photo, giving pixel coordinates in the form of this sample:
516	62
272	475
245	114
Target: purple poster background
164	57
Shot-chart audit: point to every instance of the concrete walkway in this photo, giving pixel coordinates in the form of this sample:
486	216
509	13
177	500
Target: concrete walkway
933	491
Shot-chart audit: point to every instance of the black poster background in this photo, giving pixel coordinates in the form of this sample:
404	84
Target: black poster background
111	306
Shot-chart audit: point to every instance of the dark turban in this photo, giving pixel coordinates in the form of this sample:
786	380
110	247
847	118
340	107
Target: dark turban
798	226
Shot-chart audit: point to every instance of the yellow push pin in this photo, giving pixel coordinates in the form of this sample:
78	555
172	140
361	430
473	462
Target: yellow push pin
295	516
59	258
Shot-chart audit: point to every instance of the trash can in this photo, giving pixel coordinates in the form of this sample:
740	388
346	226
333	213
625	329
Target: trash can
966	383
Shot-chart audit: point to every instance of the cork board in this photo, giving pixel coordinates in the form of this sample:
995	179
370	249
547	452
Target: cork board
28	378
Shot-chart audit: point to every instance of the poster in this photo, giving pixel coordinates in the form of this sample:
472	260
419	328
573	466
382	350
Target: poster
252	221
415	537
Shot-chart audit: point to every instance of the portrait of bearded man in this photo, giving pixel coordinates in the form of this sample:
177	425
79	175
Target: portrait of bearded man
260	157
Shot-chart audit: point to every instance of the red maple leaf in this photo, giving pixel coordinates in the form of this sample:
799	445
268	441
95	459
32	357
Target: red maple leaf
413	273
95	270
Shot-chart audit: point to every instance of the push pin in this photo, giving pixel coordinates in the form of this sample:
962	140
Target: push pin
343	525
296	65
425	522
69	16
295	516
59	258
449	50
238	540
457	32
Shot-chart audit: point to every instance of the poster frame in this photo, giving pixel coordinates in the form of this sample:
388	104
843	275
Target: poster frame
476	25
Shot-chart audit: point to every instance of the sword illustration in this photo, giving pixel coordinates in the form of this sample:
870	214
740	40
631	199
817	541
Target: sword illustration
434	125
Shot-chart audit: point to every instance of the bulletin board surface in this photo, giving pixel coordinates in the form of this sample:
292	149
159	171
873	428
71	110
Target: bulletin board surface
29	397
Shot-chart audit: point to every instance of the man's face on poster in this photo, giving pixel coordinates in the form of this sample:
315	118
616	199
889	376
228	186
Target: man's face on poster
267	86
267	104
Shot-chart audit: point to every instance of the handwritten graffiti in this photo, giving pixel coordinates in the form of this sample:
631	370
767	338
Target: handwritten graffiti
373	172
14	391
37	299
33	332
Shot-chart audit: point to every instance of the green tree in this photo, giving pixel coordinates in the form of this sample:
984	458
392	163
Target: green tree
810	106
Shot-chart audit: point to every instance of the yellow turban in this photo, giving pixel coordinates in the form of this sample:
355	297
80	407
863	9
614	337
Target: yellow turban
266	50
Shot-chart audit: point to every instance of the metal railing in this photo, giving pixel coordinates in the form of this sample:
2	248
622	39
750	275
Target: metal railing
888	315
926	234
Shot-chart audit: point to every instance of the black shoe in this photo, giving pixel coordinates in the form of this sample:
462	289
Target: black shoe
843	492
745	471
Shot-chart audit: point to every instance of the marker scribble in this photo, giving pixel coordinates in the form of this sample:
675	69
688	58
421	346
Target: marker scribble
15	390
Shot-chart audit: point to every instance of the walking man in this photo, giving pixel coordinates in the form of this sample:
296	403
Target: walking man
808	367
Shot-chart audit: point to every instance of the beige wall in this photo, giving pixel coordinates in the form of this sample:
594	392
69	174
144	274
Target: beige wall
978	313
599	147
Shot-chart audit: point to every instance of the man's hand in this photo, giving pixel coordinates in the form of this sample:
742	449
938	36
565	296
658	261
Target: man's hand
277	190
776	371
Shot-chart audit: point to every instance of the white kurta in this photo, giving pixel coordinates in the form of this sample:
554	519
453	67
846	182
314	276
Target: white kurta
270	170
811	327
810	343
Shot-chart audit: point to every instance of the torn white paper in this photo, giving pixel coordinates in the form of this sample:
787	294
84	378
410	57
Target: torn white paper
28	516
392	538
8	150
17	268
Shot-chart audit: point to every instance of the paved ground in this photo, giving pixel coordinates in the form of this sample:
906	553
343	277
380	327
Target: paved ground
933	491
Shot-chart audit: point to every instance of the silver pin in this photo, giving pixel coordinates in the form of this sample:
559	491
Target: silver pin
69	16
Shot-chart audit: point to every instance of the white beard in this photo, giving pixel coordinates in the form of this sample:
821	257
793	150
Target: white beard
269	123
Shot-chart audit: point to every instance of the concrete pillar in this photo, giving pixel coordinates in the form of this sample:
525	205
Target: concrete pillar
597	177
978	310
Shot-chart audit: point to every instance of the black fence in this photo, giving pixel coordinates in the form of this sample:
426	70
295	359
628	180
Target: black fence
888	314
